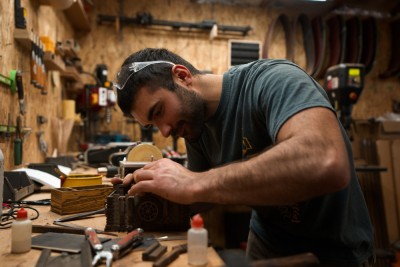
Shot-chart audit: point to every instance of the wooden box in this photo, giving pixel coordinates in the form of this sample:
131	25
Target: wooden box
79	199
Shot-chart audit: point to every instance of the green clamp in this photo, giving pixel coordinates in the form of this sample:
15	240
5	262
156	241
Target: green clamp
5	80
10	81
13	74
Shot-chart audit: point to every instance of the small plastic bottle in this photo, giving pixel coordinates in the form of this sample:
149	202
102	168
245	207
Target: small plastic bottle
21	232
197	242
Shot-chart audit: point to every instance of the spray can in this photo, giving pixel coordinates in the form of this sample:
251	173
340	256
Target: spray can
21	233
197	242
1	181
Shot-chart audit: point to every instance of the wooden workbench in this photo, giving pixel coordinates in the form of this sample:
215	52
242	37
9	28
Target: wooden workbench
29	259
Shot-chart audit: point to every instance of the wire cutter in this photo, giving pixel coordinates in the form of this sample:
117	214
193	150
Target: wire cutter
118	250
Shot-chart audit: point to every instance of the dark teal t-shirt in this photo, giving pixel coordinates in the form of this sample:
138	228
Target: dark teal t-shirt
257	98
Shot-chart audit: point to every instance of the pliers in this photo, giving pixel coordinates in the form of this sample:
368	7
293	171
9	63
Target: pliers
118	250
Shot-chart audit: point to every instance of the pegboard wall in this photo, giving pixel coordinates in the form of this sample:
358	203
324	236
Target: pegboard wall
111	43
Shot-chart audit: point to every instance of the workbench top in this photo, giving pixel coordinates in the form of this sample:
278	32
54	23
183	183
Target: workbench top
46	217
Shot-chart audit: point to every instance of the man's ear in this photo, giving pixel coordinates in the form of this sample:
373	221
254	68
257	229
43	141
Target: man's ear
181	72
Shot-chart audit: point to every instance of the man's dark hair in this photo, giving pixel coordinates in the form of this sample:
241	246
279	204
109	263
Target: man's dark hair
151	77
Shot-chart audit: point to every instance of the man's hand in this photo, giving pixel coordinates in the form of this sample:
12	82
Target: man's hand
164	177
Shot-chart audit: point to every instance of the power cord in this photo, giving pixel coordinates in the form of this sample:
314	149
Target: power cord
8	217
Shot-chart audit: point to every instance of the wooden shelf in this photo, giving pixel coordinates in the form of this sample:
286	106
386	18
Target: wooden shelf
45	2
71	73
77	16
53	62
23	36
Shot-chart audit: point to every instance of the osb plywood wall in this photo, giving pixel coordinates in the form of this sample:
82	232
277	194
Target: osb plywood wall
16	56
110	45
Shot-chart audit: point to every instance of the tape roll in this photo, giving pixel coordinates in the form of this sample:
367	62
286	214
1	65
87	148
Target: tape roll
68	111
144	153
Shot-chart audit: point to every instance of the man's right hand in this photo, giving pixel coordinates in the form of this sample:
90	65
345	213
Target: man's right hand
116	180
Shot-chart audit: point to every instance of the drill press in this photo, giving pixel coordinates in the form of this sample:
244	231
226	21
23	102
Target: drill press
344	84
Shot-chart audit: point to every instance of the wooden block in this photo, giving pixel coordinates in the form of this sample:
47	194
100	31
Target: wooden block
69	200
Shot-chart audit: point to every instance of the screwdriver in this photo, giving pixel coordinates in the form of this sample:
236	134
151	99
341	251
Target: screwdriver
18	143
20	90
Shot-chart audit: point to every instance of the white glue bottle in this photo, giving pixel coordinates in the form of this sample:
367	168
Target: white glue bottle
21	232
197	242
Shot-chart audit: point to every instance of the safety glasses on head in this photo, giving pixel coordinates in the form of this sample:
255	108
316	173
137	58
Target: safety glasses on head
127	71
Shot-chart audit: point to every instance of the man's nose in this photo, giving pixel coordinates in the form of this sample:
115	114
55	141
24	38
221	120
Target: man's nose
165	129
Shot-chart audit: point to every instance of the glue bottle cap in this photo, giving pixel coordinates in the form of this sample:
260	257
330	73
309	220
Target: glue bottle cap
22	214
197	221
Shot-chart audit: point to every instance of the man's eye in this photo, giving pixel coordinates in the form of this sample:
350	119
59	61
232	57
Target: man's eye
158	112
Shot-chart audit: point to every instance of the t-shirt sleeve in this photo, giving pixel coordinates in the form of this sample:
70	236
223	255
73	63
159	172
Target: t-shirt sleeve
285	90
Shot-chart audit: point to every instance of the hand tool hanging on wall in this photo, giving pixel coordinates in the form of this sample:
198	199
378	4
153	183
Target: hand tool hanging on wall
20	90
18	86
43	78
146	19
33	61
38	70
18	143
8	132
19	13
42	143
38	64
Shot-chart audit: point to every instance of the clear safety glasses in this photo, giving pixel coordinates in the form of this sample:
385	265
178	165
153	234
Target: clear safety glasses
127	71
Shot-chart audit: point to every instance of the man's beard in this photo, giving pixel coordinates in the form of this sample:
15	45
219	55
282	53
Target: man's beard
192	113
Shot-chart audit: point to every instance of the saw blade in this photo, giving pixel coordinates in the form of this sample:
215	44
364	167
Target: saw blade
145	153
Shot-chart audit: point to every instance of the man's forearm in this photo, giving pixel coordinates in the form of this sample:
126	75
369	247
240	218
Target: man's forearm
280	176
292	171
